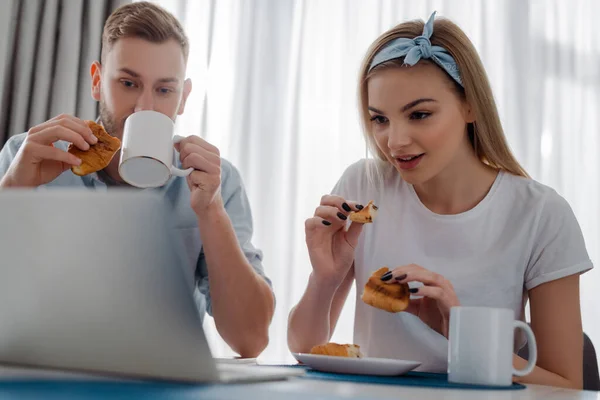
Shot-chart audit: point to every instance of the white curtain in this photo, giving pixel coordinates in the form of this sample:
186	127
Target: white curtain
46	48
275	90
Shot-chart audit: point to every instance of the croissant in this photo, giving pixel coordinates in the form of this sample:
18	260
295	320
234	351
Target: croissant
366	215
338	350
391	297
99	155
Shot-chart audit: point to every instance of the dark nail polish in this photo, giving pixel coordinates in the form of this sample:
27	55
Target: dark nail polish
413	290
346	207
359	207
342	216
327	223
387	276
399	278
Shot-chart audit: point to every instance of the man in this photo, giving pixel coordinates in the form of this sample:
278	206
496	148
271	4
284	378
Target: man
143	63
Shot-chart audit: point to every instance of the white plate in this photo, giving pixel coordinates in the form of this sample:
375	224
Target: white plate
361	366
236	360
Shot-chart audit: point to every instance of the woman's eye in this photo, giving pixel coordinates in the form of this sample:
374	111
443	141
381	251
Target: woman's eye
419	115
378	119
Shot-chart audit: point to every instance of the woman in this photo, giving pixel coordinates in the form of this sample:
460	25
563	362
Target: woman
459	219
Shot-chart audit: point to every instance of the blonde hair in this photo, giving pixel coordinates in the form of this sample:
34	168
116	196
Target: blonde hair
486	133
146	21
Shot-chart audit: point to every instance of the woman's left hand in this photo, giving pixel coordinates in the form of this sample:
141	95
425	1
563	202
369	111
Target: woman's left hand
438	295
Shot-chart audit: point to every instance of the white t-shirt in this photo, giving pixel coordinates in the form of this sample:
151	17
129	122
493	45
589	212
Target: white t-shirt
522	234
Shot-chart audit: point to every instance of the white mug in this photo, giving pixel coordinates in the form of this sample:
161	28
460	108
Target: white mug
147	153
480	350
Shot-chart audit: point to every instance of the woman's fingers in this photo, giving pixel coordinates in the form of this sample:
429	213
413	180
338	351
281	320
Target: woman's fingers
345	206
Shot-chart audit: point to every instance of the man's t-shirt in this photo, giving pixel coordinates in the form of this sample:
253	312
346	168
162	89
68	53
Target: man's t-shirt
177	194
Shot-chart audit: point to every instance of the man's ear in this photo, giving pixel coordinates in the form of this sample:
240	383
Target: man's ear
187	88
96	73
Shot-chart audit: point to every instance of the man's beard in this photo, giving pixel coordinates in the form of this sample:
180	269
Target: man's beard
114	128
109	121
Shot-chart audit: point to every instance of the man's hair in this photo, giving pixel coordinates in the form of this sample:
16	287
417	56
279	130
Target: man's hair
146	21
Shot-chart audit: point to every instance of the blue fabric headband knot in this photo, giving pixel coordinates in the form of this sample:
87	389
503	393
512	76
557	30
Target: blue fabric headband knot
415	49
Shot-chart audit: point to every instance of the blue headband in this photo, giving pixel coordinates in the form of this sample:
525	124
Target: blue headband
414	49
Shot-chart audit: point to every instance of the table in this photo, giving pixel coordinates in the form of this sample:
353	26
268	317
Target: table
310	389
293	389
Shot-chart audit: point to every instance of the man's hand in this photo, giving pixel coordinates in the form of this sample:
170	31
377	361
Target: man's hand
205	181
38	162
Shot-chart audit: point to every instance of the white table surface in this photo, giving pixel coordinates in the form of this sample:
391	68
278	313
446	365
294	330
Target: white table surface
316	389
313	389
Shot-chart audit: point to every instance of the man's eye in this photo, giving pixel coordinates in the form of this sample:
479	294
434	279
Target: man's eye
127	83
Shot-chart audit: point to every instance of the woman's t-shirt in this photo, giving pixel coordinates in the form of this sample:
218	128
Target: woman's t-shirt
521	235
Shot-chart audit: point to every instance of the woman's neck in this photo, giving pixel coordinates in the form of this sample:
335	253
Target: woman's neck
459	187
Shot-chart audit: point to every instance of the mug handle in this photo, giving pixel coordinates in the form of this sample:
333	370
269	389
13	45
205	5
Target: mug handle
174	170
532	345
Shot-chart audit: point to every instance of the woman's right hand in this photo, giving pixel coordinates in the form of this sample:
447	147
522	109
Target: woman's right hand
38	162
330	246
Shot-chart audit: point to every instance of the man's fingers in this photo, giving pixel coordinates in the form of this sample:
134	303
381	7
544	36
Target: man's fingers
55	133
200	163
198	141
68	122
41	152
190	148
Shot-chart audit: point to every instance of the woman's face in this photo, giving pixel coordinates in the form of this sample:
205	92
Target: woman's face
418	120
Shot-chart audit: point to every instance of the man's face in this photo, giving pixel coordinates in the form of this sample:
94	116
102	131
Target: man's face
139	75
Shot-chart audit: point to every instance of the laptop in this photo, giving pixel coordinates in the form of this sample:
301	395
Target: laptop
94	282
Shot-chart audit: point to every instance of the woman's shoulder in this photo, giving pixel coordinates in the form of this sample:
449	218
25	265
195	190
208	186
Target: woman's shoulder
371	171
531	194
367	177
557	243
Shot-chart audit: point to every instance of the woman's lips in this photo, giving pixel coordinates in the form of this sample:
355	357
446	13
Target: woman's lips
409	162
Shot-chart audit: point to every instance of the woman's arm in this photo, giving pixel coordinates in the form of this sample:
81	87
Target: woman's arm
556	322
331	250
313	320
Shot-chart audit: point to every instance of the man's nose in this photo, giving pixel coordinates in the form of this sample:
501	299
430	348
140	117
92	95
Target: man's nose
145	101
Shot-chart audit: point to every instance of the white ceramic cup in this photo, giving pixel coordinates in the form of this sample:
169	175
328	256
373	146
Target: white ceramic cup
480	347
147	152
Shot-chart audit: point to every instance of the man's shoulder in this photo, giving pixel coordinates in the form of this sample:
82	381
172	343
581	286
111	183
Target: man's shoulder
12	147
10	150
230	175
15	142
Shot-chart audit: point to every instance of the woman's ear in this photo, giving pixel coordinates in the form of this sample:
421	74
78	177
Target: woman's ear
468	113
95	73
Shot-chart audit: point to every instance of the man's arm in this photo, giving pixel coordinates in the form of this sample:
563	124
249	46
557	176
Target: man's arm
31	159
241	300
